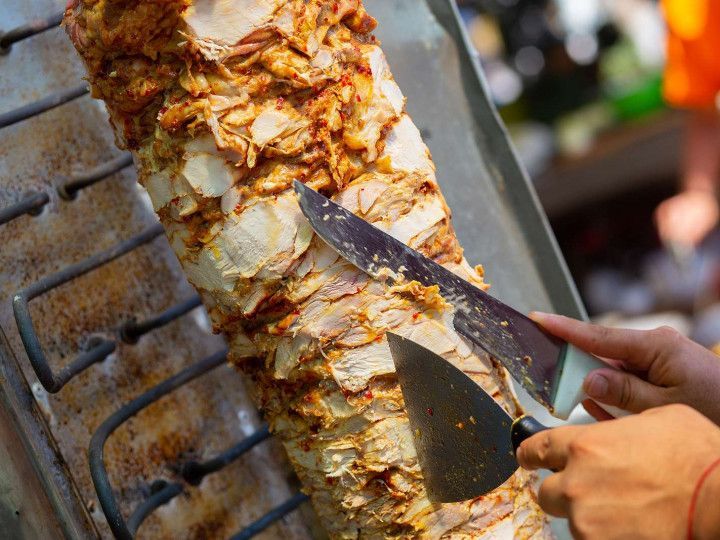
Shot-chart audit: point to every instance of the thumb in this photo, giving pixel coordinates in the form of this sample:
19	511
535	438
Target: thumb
623	390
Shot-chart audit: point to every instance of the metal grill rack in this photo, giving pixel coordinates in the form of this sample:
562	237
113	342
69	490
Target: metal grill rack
192	472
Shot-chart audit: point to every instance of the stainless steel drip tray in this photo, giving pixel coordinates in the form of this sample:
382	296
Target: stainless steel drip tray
119	393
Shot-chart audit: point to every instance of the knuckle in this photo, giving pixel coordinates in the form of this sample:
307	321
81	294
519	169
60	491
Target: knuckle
544	447
627	393
545	444
601	335
571	490
668	335
578	447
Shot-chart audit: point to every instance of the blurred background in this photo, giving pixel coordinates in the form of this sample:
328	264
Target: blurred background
580	87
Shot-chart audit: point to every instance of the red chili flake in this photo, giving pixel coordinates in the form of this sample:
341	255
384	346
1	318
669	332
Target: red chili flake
295	76
335	8
430	411
364	69
279	104
368	394
358	98
175	201
323	122
416	315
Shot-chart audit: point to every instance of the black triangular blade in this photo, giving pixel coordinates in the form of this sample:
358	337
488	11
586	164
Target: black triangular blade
462	436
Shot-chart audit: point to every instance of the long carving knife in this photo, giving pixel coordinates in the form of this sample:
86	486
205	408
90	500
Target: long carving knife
550	370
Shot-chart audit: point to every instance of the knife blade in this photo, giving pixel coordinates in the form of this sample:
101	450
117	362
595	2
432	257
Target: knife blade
550	369
465	441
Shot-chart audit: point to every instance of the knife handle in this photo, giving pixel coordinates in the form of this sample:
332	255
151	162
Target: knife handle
524	428
575	365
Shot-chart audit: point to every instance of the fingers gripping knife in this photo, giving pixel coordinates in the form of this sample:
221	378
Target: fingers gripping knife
551	370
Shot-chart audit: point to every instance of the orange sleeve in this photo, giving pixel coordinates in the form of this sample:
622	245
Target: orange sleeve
692	72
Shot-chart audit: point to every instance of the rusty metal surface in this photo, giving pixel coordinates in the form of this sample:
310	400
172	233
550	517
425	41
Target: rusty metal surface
195	422
23	501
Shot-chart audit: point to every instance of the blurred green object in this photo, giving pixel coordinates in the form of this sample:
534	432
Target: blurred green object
633	89
645	99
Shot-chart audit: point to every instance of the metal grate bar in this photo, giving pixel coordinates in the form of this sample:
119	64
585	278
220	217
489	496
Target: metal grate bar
54	382
164	492
193	472
34	27
32	204
40	106
132	331
271	517
69	190
97	444
99	350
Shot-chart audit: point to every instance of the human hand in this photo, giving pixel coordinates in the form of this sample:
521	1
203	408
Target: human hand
633	477
687	218
660	367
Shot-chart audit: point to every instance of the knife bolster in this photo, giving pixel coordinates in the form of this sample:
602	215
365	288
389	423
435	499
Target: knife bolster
524	428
